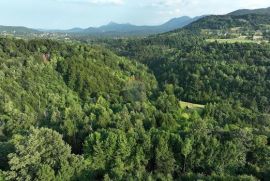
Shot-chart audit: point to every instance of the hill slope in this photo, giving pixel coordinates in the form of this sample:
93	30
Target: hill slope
263	11
18	30
119	124
249	26
230	79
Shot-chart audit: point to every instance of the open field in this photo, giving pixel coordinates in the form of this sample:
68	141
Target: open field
235	40
189	105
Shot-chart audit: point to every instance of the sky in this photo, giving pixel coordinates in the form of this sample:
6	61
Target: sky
65	14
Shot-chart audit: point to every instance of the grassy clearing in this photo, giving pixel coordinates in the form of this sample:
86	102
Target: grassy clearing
188	105
234	40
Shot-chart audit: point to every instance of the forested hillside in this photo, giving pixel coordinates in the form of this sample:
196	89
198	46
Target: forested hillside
232	79
242	27
71	111
191	104
265	11
204	71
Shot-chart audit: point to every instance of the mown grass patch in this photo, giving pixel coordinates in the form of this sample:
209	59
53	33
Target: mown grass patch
237	40
192	106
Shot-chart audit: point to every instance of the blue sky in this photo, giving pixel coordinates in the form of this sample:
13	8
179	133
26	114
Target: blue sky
64	14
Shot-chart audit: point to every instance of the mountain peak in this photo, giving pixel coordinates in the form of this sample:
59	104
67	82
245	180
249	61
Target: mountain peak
112	23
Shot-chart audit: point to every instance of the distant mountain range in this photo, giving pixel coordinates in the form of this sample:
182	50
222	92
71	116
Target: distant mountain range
238	17
130	29
112	29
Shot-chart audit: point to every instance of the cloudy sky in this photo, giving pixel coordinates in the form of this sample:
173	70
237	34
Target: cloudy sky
63	14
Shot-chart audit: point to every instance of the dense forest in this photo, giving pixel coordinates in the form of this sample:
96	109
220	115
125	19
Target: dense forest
231	79
172	106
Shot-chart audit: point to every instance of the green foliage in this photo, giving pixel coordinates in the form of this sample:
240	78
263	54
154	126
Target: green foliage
41	155
248	27
71	111
190	177
2	177
117	154
5	149
230	79
229	21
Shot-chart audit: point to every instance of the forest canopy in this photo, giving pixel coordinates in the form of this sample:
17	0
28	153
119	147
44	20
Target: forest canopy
167	107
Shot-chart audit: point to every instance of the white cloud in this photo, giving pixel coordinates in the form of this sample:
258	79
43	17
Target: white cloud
167	7
160	3
94	2
199	7
171	3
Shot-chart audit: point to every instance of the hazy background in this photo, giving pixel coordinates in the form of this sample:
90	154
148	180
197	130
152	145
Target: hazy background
64	14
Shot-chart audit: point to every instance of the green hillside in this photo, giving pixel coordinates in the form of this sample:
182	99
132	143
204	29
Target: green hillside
17	30
230	78
191	104
263	11
255	27
44	83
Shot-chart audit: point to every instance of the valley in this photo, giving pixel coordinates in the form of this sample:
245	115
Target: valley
186	100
